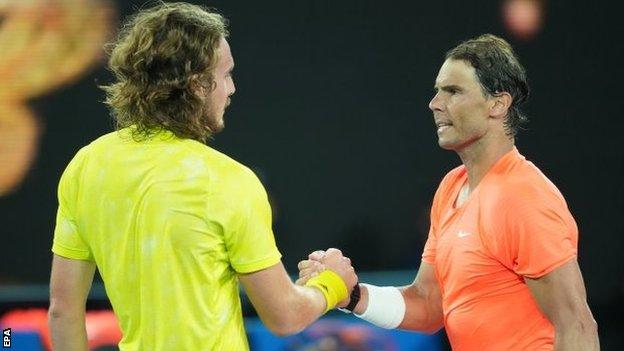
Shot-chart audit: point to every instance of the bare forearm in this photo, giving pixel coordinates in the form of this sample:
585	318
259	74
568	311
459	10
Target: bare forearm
287	308
68	332
420	303
577	336
307	305
423	311
298	307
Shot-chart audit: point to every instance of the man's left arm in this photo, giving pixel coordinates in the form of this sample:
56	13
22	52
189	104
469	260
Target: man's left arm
70	282
561	296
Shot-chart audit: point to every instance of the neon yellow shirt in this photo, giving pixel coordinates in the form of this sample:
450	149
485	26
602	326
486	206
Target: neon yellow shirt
169	223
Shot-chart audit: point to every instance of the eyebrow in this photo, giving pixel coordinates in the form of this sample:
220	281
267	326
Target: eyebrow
448	88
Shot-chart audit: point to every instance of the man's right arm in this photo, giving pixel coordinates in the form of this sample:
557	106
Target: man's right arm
422	299
423	302
286	308
70	282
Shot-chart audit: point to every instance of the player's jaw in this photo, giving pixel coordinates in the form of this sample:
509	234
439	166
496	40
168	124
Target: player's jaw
443	125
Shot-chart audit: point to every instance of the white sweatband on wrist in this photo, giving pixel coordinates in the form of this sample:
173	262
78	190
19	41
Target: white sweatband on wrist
386	306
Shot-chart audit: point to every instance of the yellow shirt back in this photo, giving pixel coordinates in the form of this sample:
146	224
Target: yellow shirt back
169	223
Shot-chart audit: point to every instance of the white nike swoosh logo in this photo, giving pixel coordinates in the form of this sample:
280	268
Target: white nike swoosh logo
463	234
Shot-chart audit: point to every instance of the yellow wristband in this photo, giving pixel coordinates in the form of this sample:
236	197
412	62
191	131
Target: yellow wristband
331	285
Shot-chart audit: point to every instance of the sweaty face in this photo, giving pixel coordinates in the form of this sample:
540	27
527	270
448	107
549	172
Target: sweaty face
219	98
460	109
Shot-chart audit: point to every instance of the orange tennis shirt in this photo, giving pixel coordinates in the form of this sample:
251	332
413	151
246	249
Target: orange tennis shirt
515	224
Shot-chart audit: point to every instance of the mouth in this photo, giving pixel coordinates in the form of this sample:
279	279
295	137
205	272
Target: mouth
443	125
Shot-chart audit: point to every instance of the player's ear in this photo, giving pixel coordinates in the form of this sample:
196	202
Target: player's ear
501	102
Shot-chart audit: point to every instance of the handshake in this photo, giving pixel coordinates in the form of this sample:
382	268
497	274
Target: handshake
333	260
331	272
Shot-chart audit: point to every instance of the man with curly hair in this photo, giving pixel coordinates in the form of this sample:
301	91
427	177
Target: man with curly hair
172	224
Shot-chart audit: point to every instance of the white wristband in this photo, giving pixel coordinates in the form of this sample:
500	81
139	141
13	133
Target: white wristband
386	306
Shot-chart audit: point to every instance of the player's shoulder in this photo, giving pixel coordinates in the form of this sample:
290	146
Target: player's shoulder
108	139
522	183
106	144
223	168
188	156
79	158
220	160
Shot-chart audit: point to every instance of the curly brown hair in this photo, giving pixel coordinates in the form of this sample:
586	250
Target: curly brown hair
161	57
498	70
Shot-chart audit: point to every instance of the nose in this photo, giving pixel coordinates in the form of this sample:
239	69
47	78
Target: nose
232	88
435	103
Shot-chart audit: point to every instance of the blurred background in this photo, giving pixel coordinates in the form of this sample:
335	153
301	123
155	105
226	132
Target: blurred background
331	112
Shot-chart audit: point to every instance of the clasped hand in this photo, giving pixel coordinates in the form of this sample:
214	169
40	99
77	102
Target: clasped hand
332	259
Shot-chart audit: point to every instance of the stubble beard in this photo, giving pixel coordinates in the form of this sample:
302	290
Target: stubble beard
214	120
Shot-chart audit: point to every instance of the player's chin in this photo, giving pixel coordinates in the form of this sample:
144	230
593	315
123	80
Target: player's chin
217	127
445	144
216	124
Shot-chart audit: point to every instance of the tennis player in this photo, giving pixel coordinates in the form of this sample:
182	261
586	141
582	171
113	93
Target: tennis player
171	224
499	270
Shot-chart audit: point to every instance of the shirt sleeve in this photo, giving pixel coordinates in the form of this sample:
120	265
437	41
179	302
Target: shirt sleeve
250	242
536	232
68	241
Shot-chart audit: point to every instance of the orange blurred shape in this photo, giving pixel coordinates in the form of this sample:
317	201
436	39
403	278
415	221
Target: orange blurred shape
102	326
355	334
19	136
45	45
523	18
102	329
32	320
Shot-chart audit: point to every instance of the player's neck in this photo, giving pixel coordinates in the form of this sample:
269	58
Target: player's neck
481	155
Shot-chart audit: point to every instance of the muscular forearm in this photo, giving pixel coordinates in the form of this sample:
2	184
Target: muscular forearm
423	311
298	307
309	304
68	331
285	308
577	336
